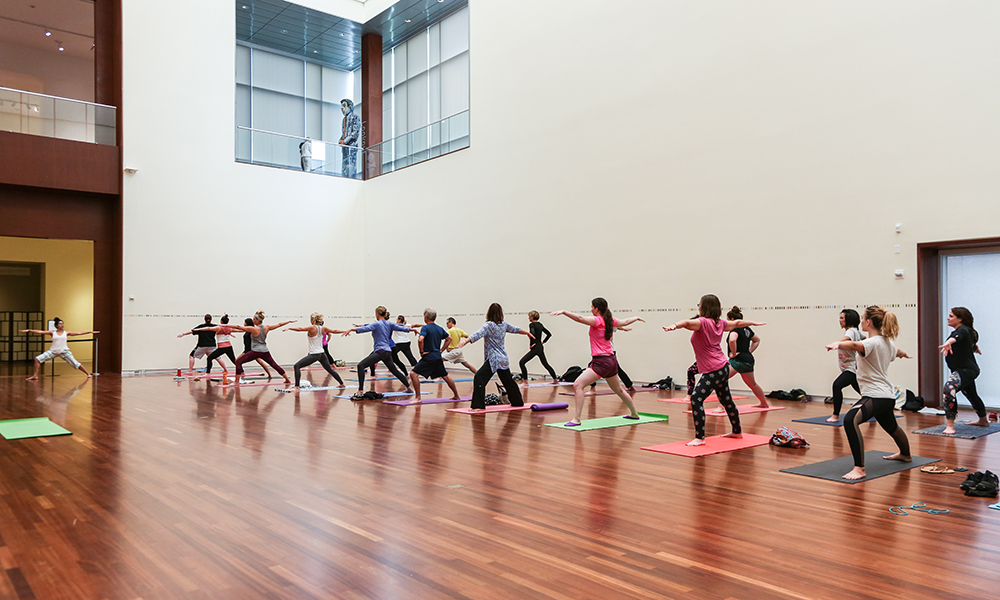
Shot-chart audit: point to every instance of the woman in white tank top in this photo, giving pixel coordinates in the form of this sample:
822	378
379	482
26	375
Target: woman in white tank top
58	348
316	353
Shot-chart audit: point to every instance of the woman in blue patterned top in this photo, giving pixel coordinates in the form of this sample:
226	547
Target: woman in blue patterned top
494	331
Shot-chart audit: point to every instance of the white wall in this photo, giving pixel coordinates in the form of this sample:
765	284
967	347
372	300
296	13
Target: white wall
204	233
760	151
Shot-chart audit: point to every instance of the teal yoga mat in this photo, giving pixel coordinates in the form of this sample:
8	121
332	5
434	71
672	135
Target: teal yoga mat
18	429
606	422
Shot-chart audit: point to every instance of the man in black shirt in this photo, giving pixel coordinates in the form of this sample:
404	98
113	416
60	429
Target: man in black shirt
206	342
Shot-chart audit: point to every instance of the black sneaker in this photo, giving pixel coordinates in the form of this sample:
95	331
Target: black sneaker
987	487
971	481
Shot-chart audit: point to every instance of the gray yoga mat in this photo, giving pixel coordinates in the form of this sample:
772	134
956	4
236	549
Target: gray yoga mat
875	467
822	420
966	432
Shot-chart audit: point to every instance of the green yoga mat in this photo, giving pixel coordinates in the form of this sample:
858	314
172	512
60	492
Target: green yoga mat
18	429
588	424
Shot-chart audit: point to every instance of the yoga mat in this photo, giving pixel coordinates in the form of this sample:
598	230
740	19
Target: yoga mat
822	420
394	379
18	429
315	388
744	409
875	467
390	394
489	409
550	406
427	401
608	392
255	383
966	432
534	385
712	398
713	445
606	422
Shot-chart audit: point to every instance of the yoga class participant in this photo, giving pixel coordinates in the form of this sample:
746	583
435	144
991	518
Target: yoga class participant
206	342
742	342
536	348
58	348
603	362
847	360
258	345
315	331
494	331
430	344
381	335
959	353
223	343
877	394
452	354
247	343
712	364
402	344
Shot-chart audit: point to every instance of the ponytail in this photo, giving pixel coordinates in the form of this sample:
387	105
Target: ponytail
883	320
609	322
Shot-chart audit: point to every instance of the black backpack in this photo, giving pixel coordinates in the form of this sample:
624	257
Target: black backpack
572	373
913	402
667	383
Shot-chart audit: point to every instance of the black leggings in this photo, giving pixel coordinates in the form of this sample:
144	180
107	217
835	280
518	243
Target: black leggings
692	371
623	376
483	376
227	350
373	359
846	378
539	351
865	409
965	382
310	359
717	381
403	347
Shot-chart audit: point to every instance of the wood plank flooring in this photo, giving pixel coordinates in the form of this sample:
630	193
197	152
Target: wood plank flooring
170	490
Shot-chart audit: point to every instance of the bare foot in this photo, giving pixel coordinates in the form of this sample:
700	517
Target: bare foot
294	387
32	378
738	436
761	405
456	398
415	401
342	386
899	457
949	431
984	422
288	381
833	419
716	411
696	442
856	473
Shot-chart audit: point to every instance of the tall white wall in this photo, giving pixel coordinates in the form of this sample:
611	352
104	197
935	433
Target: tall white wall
762	151
204	233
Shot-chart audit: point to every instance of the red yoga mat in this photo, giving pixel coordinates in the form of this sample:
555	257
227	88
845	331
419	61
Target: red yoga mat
712	398
607	392
713	445
489	409
745	409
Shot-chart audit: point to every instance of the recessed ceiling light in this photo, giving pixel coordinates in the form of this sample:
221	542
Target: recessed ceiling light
341	35
408	20
61	48
244	7
284	31
48	33
315	51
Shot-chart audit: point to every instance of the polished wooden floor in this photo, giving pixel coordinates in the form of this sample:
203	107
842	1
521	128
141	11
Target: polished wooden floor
170	490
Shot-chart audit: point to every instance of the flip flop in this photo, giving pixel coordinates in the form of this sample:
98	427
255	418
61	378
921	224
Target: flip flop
934	469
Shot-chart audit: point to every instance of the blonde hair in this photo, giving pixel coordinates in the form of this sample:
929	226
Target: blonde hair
382	311
316	318
883	320
533	315
259	315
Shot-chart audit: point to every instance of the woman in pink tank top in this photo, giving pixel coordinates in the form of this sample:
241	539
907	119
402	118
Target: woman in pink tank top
603	364
712	363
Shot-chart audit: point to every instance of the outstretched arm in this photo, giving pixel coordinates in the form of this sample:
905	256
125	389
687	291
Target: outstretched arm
588	320
731	325
278	325
243	328
333	331
36	331
901	354
82	332
309	328
847	345
945	348
692	324
622	324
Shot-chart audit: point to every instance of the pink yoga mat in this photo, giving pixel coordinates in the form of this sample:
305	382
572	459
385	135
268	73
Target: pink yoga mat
606	392
745	409
712	398
713	445
257	383
427	401
489	409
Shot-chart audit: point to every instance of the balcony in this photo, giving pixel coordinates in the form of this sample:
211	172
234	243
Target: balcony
268	148
54	117
437	139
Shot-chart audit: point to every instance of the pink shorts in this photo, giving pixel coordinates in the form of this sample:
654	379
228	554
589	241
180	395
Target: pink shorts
605	365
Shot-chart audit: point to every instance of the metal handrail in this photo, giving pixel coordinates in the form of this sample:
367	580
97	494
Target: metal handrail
373	146
6	89
294	137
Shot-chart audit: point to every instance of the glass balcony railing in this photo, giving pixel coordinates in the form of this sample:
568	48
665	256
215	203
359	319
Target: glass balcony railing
440	137
272	149
50	116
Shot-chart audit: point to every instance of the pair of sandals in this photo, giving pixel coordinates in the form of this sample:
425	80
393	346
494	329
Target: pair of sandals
941	470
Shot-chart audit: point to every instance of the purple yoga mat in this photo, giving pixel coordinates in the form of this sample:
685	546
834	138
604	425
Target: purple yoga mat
427	401
550	406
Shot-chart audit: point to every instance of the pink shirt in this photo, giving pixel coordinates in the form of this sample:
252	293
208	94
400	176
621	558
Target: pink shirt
706	342
599	345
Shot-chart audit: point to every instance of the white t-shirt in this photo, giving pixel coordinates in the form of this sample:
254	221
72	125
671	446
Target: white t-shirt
872	367
401	337
847	359
59	341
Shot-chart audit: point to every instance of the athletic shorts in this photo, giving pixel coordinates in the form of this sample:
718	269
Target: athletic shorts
741	366
605	365
202	352
66	355
430	368
454	356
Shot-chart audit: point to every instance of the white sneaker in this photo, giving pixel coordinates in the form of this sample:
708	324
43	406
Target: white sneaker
243	381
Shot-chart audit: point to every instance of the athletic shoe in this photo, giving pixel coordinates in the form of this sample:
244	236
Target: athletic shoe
243	381
971	481
987	487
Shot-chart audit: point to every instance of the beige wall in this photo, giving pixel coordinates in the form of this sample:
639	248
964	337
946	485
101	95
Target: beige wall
69	280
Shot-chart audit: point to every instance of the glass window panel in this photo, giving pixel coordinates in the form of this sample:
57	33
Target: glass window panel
336	85
416	107
455	85
416	55
243	106
278	73
434	94
314	119
280	113
314	81
242	65
399	67
400	94
455	34
333	121
387	70
434	42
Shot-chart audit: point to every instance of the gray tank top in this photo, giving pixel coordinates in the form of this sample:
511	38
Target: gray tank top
258	343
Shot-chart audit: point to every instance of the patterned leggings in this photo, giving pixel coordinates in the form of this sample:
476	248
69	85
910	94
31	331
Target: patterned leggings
717	381
692	371
965	383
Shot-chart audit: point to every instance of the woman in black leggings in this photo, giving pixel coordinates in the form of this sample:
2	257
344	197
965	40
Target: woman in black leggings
402	341
959	352
877	394
848	361
537	347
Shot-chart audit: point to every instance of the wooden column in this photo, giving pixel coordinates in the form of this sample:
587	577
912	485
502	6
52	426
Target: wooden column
108	57
928	323
371	99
